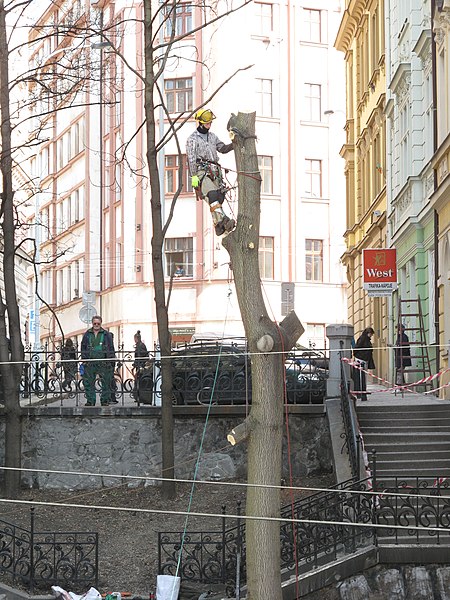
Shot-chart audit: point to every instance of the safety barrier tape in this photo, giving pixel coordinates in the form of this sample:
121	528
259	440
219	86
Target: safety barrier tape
406	386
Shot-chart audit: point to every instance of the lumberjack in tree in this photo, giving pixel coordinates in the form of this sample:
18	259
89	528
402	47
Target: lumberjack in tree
202	147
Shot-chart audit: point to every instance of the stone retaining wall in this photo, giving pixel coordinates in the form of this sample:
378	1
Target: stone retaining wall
120	441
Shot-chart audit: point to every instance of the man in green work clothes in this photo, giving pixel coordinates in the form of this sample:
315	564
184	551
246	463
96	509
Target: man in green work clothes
97	344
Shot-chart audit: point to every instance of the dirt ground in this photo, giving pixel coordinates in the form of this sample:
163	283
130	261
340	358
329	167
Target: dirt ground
128	540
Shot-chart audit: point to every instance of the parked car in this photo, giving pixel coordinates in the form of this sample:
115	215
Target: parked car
204	369
221	374
306	378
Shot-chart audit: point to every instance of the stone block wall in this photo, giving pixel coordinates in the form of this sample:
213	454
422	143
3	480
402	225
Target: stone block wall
128	443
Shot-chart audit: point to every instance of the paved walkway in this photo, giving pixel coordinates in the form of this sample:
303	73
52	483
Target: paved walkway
398	397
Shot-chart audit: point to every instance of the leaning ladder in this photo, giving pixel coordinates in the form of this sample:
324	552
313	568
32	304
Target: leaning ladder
415	326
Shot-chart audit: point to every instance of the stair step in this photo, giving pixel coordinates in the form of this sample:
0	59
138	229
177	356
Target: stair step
413	447
413	464
416	411
382	421
373	439
391	454
422	473
407	428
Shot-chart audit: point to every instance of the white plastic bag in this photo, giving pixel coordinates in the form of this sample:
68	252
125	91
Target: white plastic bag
92	594
167	587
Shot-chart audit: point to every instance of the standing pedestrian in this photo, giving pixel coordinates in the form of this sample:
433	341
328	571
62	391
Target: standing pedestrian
69	364
402	354
363	355
98	354
140	360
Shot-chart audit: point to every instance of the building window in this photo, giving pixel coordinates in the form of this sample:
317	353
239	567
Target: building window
45	224
118	270
314	260
264	97
179	254
312	25
263	18
315	333
266	257
313	177
172	174
265	165
178	95
183	19
404	142
313	102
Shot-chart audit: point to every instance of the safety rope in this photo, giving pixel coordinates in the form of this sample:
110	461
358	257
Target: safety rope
200	450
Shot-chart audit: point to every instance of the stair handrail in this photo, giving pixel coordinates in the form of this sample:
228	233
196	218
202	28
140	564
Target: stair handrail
353	440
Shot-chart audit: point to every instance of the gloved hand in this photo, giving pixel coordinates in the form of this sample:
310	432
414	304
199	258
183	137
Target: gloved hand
195	181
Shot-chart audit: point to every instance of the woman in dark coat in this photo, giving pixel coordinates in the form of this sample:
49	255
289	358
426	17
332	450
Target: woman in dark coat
69	364
363	353
402	354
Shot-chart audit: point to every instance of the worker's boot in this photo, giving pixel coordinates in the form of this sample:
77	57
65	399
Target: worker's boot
222	223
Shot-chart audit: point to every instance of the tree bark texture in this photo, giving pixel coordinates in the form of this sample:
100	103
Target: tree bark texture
265	424
168	471
10	354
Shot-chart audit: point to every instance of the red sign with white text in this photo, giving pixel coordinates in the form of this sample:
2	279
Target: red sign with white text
380	270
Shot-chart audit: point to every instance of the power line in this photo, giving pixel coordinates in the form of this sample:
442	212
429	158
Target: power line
221	516
379	493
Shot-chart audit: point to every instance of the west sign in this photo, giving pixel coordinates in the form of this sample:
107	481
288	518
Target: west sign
380	271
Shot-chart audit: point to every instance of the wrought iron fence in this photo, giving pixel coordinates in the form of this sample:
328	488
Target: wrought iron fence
420	505
40	559
320	529
203	373
212	556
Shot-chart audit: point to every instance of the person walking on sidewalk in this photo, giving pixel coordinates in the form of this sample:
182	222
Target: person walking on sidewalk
98	354
363	355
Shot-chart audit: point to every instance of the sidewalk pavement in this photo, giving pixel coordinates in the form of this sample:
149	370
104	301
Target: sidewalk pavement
379	397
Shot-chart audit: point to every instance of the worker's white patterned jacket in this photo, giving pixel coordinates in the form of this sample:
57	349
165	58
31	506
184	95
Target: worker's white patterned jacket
204	146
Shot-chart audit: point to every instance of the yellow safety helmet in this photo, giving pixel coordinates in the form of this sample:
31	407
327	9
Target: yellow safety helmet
204	115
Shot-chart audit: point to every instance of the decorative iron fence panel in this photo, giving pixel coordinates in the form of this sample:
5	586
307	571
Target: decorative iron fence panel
420	505
41	559
202	374
311	544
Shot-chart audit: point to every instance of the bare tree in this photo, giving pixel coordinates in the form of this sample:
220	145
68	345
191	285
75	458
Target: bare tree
268	343
157	53
11	348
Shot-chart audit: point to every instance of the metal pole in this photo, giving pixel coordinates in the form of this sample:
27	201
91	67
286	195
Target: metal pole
32	550
100	223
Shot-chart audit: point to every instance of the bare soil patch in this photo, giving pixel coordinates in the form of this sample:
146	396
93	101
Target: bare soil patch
128	539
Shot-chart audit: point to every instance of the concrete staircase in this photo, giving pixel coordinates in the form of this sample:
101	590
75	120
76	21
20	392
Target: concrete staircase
408	439
412	444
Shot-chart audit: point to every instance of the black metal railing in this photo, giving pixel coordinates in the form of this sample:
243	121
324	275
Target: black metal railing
320	529
419	505
202	374
40	559
316	530
352	435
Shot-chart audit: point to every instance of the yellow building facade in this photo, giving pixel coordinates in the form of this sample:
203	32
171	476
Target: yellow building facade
361	39
441	197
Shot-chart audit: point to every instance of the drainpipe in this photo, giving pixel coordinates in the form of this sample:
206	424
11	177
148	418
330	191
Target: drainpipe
436	215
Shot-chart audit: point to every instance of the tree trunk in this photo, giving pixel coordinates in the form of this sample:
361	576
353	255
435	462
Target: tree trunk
267	343
168	472
10	353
